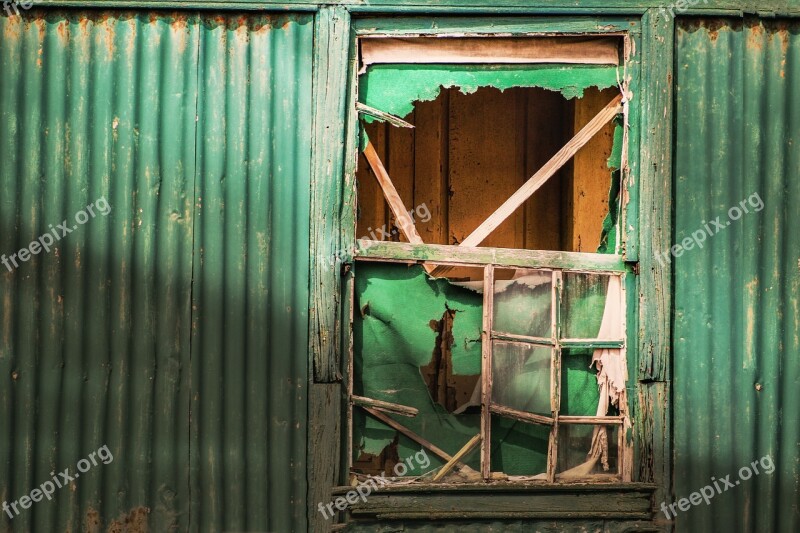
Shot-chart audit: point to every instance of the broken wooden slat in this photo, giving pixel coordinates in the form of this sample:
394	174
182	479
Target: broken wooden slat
604	420
551	167
408	433
457	457
382	115
522	416
587	50
385	406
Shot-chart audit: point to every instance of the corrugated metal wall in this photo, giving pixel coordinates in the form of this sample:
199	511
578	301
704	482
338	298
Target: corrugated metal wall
737	322
172	330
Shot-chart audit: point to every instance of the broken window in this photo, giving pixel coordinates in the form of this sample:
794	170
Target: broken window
489	309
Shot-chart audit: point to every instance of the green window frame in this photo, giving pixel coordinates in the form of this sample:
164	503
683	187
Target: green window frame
621	264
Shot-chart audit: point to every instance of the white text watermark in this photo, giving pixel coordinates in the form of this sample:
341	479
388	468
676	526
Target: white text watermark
718	486
711	228
373	483
46	489
46	240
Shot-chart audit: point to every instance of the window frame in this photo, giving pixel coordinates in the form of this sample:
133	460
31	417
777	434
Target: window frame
623	263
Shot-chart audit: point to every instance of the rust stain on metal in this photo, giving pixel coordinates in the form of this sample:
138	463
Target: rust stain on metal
12	28
179	27
92	522
134	522
62	30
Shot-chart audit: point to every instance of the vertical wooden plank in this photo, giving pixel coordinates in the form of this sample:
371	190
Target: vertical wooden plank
400	164
631	157
482	167
431	167
652	426
555	376
486	372
330	75
548	127
331	120
373	212
591	178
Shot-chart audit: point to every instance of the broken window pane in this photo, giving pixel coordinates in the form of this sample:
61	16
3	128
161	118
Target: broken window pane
521	377
519	449
579	391
591	306
523	302
587	450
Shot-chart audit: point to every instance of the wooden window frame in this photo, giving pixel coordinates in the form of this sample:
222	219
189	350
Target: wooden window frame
469	254
647	227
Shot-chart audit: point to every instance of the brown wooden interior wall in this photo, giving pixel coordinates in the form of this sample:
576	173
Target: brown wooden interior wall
469	153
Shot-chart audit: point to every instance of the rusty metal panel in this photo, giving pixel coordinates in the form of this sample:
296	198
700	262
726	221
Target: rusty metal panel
737	322
172	329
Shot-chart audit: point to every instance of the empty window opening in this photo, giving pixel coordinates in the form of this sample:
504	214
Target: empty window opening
468	153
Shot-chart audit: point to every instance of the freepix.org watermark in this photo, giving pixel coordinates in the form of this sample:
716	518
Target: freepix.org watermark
373	483
718	486
48	488
420	213
50	238
11	7
711	228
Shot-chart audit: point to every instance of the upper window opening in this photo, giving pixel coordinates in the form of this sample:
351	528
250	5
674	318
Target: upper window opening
469	153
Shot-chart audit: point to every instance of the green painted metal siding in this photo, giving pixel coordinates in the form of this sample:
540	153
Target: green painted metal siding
173	330
737	323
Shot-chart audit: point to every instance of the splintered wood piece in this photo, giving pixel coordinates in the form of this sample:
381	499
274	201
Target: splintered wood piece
404	221
382	115
385	406
546	172
457	457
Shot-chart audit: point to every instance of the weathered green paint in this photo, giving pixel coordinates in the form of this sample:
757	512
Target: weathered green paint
427	7
736	369
330	92
395	88
328	208
455	25
649	368
572	501
175	329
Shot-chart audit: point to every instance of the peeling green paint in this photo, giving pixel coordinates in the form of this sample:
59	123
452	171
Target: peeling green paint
394	88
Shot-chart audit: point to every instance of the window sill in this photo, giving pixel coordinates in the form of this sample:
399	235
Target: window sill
629	501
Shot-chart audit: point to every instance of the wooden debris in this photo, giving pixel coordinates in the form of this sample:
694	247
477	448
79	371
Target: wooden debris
385	406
